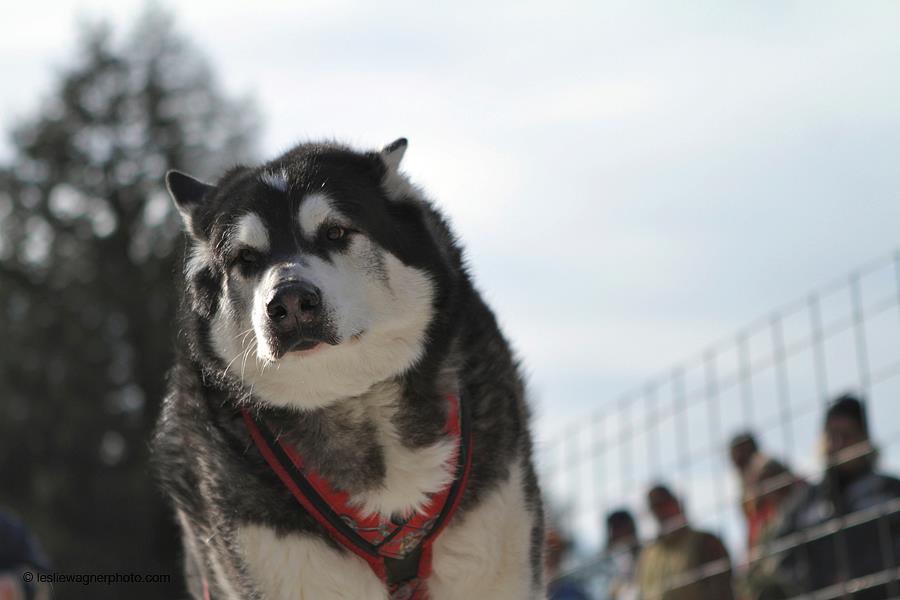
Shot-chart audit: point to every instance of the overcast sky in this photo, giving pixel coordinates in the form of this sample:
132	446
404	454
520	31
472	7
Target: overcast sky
633	180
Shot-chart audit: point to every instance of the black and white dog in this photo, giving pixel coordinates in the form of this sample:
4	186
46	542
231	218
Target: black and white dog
327	319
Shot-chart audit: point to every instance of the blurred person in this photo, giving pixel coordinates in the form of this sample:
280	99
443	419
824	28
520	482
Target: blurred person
744	453
682	563
776	492
561	586
870	542
742	449
21	558
622	552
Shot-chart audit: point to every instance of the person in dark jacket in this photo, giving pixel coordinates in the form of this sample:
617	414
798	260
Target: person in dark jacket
561	586
848	526
20	559
621	554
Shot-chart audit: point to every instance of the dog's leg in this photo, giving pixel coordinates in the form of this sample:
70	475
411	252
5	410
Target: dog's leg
303	567
487	553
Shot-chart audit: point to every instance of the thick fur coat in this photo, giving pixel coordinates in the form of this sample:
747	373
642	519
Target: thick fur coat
327	295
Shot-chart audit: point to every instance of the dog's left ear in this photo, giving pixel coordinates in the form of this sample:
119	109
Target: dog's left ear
392	154
188	194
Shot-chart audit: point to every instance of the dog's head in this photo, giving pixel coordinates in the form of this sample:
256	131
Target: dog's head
316	273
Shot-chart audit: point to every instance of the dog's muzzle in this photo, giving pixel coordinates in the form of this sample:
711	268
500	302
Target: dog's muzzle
295	316
293	303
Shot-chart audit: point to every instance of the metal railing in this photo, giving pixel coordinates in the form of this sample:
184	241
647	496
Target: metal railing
774	377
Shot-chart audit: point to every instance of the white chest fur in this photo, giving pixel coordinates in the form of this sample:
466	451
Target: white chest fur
301	567
410	474
482	554
487	552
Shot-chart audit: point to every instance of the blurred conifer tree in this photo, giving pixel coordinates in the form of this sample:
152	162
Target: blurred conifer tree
89	249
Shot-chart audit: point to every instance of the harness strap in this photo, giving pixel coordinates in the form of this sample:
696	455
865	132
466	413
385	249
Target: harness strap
399	551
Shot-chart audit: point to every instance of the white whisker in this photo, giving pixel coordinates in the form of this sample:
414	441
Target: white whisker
236	356
244	362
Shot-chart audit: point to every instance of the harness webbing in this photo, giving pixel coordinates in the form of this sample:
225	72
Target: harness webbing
398	550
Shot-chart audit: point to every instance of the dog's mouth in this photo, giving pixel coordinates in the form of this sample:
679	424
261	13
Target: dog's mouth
305	346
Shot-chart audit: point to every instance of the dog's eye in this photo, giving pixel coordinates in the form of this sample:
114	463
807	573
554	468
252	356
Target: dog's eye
335	233
248	256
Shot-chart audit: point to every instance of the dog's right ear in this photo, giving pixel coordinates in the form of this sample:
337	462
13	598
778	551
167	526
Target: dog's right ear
392	154
188	194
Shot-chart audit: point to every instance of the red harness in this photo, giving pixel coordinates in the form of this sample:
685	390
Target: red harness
398	550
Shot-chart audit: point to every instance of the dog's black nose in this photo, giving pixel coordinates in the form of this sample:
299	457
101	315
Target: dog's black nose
293	301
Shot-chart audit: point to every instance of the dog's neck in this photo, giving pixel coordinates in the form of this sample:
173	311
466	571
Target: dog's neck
385	447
